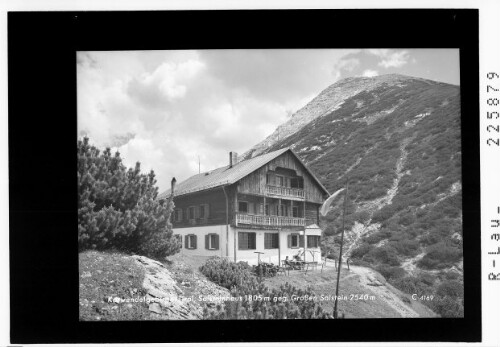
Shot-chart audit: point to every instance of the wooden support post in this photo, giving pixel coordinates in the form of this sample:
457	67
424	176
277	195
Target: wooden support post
235	229
305	224
279	247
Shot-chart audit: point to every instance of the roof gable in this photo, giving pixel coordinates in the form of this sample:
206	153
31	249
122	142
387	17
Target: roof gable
226	175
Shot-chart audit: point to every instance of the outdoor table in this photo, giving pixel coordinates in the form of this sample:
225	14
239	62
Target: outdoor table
311	264
298	263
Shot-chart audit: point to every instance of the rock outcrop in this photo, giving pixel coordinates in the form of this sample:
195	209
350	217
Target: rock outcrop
173	298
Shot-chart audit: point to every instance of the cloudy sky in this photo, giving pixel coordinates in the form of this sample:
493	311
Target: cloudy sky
166	109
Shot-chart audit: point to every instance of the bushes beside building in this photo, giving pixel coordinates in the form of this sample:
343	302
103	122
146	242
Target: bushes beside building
252	299
225	273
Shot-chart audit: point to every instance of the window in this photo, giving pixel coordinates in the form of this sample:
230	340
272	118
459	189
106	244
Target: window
295	241
178	215
190	241
212	241
246	240
284	210
297	182
313	241
203	211
268	178
271	240
267	210
280	181
191	212
179	238
243	206
295	211
261	209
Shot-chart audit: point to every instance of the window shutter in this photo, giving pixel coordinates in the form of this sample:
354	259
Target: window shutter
253	243
197	212
194	239
186	240
216	242
241	241
289	238
301	240
207	241
207	210
180	214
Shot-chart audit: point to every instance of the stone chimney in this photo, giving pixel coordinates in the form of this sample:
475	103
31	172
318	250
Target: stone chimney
233	159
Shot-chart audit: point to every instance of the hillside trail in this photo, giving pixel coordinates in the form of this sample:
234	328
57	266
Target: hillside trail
359	230
373	281
369	278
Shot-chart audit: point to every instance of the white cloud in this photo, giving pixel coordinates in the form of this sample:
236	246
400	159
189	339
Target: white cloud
391	58
344	65
143	151
370	73
166	109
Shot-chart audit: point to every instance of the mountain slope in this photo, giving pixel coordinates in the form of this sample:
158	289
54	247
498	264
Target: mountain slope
396	139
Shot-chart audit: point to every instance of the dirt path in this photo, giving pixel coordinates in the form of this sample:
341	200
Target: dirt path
377	284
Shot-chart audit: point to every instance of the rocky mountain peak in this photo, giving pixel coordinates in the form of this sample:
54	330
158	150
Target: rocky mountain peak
329	100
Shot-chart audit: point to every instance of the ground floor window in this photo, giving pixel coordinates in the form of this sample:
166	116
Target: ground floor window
271	240
190	241
295	241
313	241
179	238
212	241
246	240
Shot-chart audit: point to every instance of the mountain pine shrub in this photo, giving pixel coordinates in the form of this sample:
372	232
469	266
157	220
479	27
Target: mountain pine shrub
117	207
226	273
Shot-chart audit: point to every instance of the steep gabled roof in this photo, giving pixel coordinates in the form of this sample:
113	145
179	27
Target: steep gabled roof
226	175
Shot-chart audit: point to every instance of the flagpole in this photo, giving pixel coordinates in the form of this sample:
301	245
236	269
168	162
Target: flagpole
335	313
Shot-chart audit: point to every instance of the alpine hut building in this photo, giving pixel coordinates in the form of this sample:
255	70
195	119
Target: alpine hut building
268	204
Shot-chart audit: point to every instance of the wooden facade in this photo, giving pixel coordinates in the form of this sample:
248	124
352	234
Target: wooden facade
280	194
287	167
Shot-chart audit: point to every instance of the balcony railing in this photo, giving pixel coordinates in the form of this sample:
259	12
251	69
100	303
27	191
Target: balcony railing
296	193
275	221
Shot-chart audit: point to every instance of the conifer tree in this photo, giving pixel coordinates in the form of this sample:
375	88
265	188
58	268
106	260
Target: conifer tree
117	207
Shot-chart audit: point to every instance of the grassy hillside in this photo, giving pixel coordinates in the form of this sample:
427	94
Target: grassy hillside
399	147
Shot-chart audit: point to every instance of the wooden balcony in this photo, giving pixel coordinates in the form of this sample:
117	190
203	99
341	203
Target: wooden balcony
284	192
270	221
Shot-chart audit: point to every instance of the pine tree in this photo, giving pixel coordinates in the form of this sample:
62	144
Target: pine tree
117	207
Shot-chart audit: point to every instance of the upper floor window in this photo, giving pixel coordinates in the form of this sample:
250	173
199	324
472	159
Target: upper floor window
284	210
178	215
295	211
280	181
243	206
203	214
297	182
192	212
